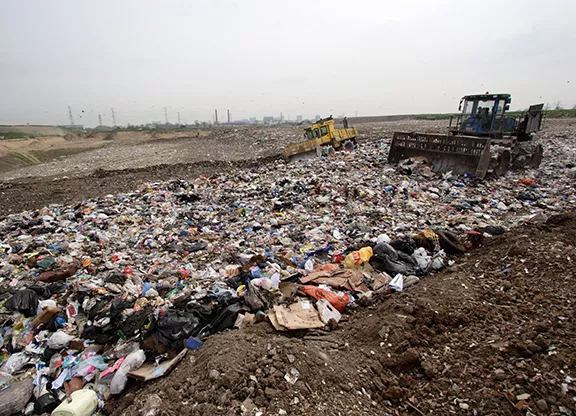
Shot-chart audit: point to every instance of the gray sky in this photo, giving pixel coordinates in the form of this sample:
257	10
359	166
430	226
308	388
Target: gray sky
262	57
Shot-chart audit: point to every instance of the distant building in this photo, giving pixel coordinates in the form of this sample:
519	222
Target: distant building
268	119
317	117
299	119
252	119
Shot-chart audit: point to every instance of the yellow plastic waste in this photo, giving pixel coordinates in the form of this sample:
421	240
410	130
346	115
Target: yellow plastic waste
357	258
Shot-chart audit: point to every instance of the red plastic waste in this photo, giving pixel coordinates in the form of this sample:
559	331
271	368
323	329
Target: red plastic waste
338	301
527	181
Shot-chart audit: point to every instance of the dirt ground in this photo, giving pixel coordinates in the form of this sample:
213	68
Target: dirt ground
471	340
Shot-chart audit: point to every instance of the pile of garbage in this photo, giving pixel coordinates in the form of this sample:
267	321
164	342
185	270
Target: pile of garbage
120	287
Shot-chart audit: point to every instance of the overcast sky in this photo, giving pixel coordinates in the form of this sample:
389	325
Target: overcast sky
263	57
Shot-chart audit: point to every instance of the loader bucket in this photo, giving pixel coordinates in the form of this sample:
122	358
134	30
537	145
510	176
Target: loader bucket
459	154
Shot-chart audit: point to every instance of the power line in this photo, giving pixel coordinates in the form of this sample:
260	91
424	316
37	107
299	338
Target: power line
166	115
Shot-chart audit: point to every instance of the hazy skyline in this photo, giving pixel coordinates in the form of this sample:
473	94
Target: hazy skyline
260	58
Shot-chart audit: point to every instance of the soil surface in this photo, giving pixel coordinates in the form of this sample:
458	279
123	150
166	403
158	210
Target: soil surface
493	335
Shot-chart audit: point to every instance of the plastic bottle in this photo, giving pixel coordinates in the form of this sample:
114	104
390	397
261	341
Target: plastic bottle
84	403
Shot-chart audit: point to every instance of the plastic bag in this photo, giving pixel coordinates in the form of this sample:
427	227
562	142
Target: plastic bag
397	283
15	362
338	301
225	319
132	362
357	258
264	283
385	249
25	301
438	262
175	326
88	366
327	311
422	258
392	267
383	238
59	340
253	299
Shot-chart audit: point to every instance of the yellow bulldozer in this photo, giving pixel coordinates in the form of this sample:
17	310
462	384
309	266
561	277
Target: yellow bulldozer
322	138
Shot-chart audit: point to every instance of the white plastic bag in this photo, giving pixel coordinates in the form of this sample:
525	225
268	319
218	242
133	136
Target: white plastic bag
15	362
397	283
438	262
132	362
327	311
422	258
383	238
59	340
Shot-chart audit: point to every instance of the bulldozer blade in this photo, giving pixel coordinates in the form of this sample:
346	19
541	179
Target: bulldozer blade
459	154
311	154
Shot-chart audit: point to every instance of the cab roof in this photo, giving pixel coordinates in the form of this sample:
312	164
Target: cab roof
506	97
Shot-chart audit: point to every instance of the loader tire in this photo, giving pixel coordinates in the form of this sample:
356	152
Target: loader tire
328	151
349	145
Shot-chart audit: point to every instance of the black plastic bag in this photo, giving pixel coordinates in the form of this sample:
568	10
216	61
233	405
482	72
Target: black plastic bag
225	319
101	335
175	326
135	323
493	230
392	267
25	301
42	291
406	258
254	299
57	288
97	309
46	403
384	249
405	244
201	311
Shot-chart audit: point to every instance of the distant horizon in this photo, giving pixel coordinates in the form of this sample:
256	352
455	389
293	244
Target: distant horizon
224	122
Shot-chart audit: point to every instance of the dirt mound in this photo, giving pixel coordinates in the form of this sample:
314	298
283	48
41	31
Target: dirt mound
493	335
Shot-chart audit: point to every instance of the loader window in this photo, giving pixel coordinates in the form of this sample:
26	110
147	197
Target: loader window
324	130
469	107
316	133
309	134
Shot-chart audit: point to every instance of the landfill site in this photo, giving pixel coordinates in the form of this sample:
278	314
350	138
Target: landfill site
369	268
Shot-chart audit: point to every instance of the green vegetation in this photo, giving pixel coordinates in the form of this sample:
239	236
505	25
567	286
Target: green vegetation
561	113
14	135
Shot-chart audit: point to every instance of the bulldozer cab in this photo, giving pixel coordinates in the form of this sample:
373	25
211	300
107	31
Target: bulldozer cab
484	115
323	127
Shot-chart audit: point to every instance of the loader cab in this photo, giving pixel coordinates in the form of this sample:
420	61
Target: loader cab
320	129
484	115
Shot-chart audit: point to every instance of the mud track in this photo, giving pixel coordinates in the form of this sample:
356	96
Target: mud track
35	193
